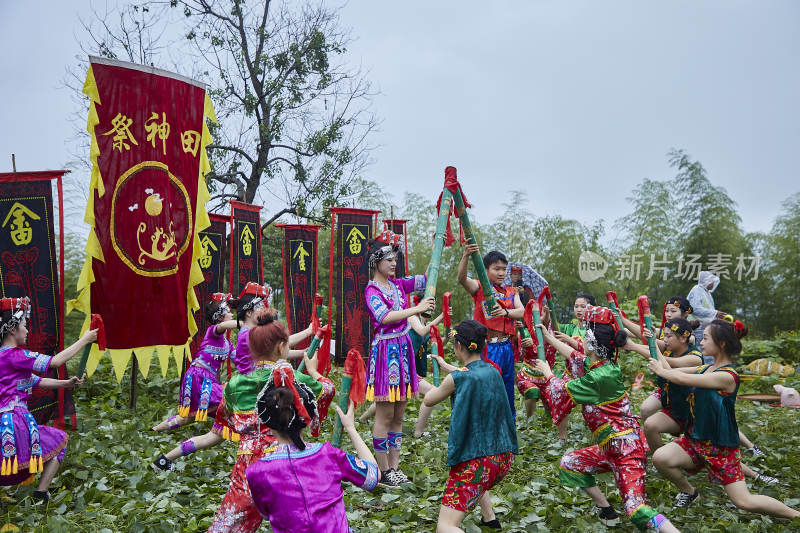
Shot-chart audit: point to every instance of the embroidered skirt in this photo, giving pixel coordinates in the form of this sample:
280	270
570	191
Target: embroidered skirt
18	440
200	389
391	376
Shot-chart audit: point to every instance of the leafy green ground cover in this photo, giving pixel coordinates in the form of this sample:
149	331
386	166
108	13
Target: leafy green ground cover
106	483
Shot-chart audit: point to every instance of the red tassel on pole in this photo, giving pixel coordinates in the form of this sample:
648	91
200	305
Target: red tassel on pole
324	351
354	367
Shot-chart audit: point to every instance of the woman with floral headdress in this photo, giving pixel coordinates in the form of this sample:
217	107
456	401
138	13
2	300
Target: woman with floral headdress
620	447
201	391
391	374
311	498
237	417
28	448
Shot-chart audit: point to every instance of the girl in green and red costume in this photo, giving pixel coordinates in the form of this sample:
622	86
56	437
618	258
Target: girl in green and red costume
572	333
237	419
678	307
620	447
482	442
252	302
673	415
712	440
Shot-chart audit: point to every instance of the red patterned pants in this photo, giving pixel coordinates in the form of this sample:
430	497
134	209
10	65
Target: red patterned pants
625	456
469	480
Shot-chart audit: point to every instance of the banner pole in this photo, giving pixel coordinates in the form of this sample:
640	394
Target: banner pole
134	372
62	372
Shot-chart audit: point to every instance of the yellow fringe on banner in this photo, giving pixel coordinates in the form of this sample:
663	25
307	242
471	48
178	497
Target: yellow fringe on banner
370	394
143	357
201	415
163	352
119	360
144	354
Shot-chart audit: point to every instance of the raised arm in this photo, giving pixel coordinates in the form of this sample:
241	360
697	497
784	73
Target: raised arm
50	383
300	336
348	423
723	381
444	365
227	325
62	357
469	284
440	393
417	326
562	348
427	304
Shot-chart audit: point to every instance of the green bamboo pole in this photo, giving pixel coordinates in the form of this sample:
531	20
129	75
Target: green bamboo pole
84	360
438	246
314	344
644	312
311	350
537	319
477	261
343	401
437	377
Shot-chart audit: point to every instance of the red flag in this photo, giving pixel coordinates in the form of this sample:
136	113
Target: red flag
146	207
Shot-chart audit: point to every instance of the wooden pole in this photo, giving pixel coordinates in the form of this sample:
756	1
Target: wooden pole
13	163
134	375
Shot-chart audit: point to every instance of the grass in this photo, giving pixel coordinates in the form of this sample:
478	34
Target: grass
106	483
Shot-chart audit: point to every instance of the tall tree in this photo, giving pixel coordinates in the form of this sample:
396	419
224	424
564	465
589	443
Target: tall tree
294	117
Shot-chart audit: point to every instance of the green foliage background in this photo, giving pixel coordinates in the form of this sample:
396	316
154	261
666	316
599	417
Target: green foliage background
106	483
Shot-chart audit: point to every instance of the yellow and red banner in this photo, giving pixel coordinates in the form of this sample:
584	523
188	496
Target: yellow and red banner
146	209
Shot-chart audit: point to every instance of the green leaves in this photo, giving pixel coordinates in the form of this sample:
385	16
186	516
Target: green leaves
106	483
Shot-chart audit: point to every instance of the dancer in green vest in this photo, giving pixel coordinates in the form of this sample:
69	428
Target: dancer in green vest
483	438
712	440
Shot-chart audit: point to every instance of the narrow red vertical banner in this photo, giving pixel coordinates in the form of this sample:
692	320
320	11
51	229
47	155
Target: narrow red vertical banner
213	241
246	255
353	229
30	266
299	250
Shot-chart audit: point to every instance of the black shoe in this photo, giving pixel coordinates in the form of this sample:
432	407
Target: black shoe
607	513
684	499
755	451
491	524
164	464
389	479
41	496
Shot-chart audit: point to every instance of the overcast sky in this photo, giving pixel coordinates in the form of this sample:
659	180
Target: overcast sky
575	102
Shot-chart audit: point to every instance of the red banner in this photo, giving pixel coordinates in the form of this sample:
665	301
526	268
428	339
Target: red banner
246	261
212	262
299	253
29	266
146	207
351	230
